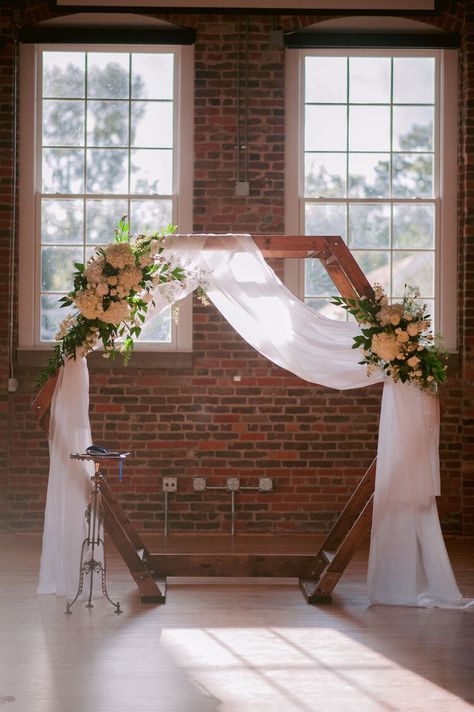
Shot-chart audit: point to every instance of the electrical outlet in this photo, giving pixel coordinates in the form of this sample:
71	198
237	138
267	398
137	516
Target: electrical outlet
233	484
199	484
170	484
265	484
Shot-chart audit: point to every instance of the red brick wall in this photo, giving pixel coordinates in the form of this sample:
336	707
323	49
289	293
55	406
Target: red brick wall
314	442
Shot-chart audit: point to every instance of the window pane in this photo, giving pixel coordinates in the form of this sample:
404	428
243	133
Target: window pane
375	265
412	175
61	221
150	215
415	269
317	281
369	175
107	170
325	220
151	171
102	217
325	175
369	225
57	265
389	157
107	123
369	80
326	79
108	75
63	123
413	128
63	74
62	170
152	76
157	328
112	102
325	128
413	80
413	226
325	308
52	314
152	124
369	128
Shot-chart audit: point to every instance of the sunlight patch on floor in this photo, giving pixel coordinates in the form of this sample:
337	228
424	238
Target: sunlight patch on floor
299	669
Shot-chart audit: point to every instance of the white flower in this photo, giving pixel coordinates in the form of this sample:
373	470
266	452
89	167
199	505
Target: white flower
102	289
402	336
385	345
413	329
119	255
146	259
390	314
88	304
94	269
379	293
116	313
130	278
64	326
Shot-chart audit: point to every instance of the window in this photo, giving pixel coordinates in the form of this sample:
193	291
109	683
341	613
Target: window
106	137
375	143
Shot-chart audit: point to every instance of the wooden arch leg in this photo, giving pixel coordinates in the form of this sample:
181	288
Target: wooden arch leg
339	546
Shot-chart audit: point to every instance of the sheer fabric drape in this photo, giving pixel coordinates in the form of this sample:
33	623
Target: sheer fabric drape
69	481
408	560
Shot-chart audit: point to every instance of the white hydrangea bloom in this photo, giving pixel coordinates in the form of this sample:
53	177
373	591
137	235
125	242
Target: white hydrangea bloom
130	278
88	304
119	255
116	313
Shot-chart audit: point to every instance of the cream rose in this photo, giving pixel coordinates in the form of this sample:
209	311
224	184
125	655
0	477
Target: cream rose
402	336
386	346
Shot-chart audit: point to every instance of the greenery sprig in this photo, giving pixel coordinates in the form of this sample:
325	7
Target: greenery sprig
111	294
397	338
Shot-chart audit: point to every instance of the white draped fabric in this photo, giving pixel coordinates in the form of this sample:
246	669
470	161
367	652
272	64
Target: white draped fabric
69	481
408	561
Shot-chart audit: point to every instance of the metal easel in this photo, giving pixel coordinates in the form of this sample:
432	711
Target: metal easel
95	538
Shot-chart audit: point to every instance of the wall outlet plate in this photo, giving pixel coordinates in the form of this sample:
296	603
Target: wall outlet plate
199	484
233	484
265	484
242	188
170	484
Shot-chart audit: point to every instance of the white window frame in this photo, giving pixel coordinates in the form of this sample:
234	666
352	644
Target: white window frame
446	98
29	188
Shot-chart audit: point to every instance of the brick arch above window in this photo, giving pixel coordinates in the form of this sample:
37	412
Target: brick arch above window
450	21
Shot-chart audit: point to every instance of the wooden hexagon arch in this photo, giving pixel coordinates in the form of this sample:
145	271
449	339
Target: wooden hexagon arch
317	573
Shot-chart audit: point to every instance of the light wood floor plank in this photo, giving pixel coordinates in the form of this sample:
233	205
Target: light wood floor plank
233	646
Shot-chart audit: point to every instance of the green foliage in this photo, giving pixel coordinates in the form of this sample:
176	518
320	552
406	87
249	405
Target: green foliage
397	338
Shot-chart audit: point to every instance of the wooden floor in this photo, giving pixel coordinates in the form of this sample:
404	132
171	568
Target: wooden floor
229	646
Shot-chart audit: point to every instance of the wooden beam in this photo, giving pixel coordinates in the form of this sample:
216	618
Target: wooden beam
42	402
232	564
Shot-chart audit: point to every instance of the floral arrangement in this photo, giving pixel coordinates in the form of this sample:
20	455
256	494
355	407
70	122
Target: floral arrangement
397	338
111	294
